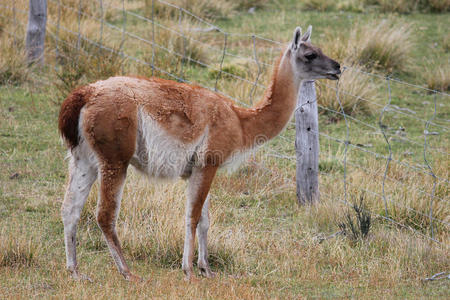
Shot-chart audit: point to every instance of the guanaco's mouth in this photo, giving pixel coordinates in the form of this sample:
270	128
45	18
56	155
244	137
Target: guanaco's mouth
332	76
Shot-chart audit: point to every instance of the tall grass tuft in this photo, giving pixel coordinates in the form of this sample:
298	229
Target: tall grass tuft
383	46
438	78
13	65
386	46
357	222
17	250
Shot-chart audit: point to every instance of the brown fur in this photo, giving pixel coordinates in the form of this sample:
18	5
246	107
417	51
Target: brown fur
185	112
70	113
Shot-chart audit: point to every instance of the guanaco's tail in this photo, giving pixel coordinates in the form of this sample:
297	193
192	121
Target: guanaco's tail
69	115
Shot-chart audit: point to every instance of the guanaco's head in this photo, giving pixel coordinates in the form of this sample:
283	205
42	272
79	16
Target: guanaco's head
308	61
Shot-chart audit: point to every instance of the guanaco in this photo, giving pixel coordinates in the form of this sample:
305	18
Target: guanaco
168	129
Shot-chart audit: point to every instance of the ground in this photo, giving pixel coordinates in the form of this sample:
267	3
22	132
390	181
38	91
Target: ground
262	243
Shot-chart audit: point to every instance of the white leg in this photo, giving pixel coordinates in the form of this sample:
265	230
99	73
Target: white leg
202	234
189	237
82	175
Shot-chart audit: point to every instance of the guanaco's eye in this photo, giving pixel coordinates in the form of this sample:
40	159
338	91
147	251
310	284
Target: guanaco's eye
311	56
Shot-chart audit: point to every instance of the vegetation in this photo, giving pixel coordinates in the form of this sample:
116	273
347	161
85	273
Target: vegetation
356	227
438	78
262	243
13	66
386	6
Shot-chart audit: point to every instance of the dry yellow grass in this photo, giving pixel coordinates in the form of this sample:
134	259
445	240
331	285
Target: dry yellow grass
401	6
378	46
13	65
356	90
204	9
262	244
384	45
438	78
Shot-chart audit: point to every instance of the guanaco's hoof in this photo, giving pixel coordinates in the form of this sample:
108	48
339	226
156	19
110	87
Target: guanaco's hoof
133	278
81	277
206	272
189	276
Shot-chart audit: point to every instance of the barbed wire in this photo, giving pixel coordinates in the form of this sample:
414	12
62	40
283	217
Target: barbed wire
272	153
225	51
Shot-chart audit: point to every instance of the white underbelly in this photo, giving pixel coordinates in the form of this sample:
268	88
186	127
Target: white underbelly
160	155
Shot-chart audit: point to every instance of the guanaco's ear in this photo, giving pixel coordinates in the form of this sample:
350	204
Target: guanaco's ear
296	39
307	36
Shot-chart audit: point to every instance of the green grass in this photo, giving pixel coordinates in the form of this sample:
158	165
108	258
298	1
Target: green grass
262	244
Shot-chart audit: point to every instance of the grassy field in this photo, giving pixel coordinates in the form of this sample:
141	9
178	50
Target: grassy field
262	243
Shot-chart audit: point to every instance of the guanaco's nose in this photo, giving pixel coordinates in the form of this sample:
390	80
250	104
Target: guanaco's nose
338	67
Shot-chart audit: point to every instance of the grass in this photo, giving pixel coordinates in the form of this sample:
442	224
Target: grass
438	78
13	65
261	243
350	85
386	6
384	45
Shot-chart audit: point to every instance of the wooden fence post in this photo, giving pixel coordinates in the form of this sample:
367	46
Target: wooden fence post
307	144
37	20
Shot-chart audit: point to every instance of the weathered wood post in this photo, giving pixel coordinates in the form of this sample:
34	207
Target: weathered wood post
307	144
37	20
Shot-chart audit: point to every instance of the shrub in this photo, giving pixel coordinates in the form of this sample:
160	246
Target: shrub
438	78
385	46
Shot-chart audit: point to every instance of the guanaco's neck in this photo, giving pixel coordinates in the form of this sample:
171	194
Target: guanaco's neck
269	116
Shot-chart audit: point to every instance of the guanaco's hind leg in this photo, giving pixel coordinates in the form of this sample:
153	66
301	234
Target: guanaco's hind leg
82	174
111	187
197	192
202	234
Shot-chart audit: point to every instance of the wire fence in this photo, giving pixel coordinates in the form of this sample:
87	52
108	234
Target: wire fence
397	157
